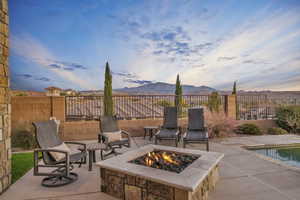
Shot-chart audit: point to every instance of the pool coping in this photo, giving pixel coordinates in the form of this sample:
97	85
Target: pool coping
279	162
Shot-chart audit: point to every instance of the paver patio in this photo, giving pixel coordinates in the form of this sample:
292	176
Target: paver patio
243	176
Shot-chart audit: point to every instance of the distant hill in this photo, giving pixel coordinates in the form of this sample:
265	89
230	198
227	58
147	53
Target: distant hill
165	88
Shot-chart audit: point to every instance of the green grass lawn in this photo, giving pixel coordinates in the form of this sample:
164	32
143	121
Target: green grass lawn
21	163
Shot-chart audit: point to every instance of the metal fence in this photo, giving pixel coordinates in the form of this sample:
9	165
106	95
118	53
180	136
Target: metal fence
255	107
129	107
249	107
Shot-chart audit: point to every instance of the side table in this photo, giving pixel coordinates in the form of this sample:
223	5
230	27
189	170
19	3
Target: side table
150	130
91	148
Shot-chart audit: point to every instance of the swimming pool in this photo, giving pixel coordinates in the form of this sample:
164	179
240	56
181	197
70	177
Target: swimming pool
288	155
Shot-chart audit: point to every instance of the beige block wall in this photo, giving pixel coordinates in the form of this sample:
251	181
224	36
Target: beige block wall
26	110
5	110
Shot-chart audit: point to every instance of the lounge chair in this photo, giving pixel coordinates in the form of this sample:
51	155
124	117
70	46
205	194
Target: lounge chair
196	131
109	127
170	129
48	140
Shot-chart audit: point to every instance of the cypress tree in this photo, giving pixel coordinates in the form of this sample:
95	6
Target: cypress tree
178	94
214	102
234	88
108	101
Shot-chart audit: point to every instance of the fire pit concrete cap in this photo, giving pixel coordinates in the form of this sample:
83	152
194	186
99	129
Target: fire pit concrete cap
188	179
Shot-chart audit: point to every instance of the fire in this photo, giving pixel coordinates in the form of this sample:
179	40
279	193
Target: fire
154	157
168	158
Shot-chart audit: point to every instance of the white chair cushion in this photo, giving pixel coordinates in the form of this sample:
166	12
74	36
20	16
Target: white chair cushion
59	156
113	136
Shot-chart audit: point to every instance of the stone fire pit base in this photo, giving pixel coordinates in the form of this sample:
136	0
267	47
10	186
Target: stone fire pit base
126	180
124	186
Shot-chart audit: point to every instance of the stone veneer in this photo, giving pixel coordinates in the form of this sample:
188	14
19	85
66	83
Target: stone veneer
124	186
5	109
125	180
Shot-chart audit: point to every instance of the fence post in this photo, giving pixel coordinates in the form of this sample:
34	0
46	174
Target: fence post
230	106
58	108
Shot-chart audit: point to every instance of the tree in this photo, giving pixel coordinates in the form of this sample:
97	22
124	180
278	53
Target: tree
214	102
234	88
108	101
178	94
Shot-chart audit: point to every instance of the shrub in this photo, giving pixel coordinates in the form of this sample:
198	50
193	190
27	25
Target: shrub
288	118
24	140
250	129
164	103
218	124
277	131
214	102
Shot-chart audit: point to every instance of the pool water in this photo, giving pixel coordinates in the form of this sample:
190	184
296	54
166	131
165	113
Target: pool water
288	155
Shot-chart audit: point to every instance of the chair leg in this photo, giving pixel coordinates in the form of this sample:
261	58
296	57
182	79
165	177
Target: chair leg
183	144
176	142
155	140
207	146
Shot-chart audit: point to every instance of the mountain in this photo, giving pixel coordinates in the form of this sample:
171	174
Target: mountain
165	88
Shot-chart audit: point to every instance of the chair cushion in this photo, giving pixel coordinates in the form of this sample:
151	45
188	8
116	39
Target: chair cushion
123	141
196	135
167	133
113	136
59	156
74	157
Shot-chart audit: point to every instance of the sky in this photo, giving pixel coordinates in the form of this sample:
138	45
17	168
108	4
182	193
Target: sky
66	43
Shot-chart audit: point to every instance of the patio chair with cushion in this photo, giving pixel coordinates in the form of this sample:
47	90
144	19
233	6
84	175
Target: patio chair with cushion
111	135
56	154
196	131
170	129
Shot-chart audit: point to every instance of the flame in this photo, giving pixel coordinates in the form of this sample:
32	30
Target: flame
168	158
153	157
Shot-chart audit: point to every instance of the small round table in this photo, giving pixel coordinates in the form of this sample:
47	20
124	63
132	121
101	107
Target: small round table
91	148
150	130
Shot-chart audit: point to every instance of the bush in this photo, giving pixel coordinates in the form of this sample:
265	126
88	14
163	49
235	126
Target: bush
250	129
277	131
214	102
288	118
24	140
164	103
218	124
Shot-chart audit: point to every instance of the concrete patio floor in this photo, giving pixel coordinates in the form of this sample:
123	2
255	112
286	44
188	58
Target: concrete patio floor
243	176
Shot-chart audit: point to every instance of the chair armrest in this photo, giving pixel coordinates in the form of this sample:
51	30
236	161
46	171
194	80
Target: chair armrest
126	133
77	143
51	150
104	139
67	155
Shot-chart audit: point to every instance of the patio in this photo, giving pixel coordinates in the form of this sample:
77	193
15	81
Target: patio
243	175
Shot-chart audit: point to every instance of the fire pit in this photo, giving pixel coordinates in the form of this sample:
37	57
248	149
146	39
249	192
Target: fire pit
166	160
160	172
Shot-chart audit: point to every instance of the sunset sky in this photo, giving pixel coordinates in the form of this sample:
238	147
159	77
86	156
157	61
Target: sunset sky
65	43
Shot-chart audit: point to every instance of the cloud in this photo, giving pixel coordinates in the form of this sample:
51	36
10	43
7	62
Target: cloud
43	79
33	51
226	58
167	34
125	74
140	82
268	38
255	62
68	66
25	76
31	77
